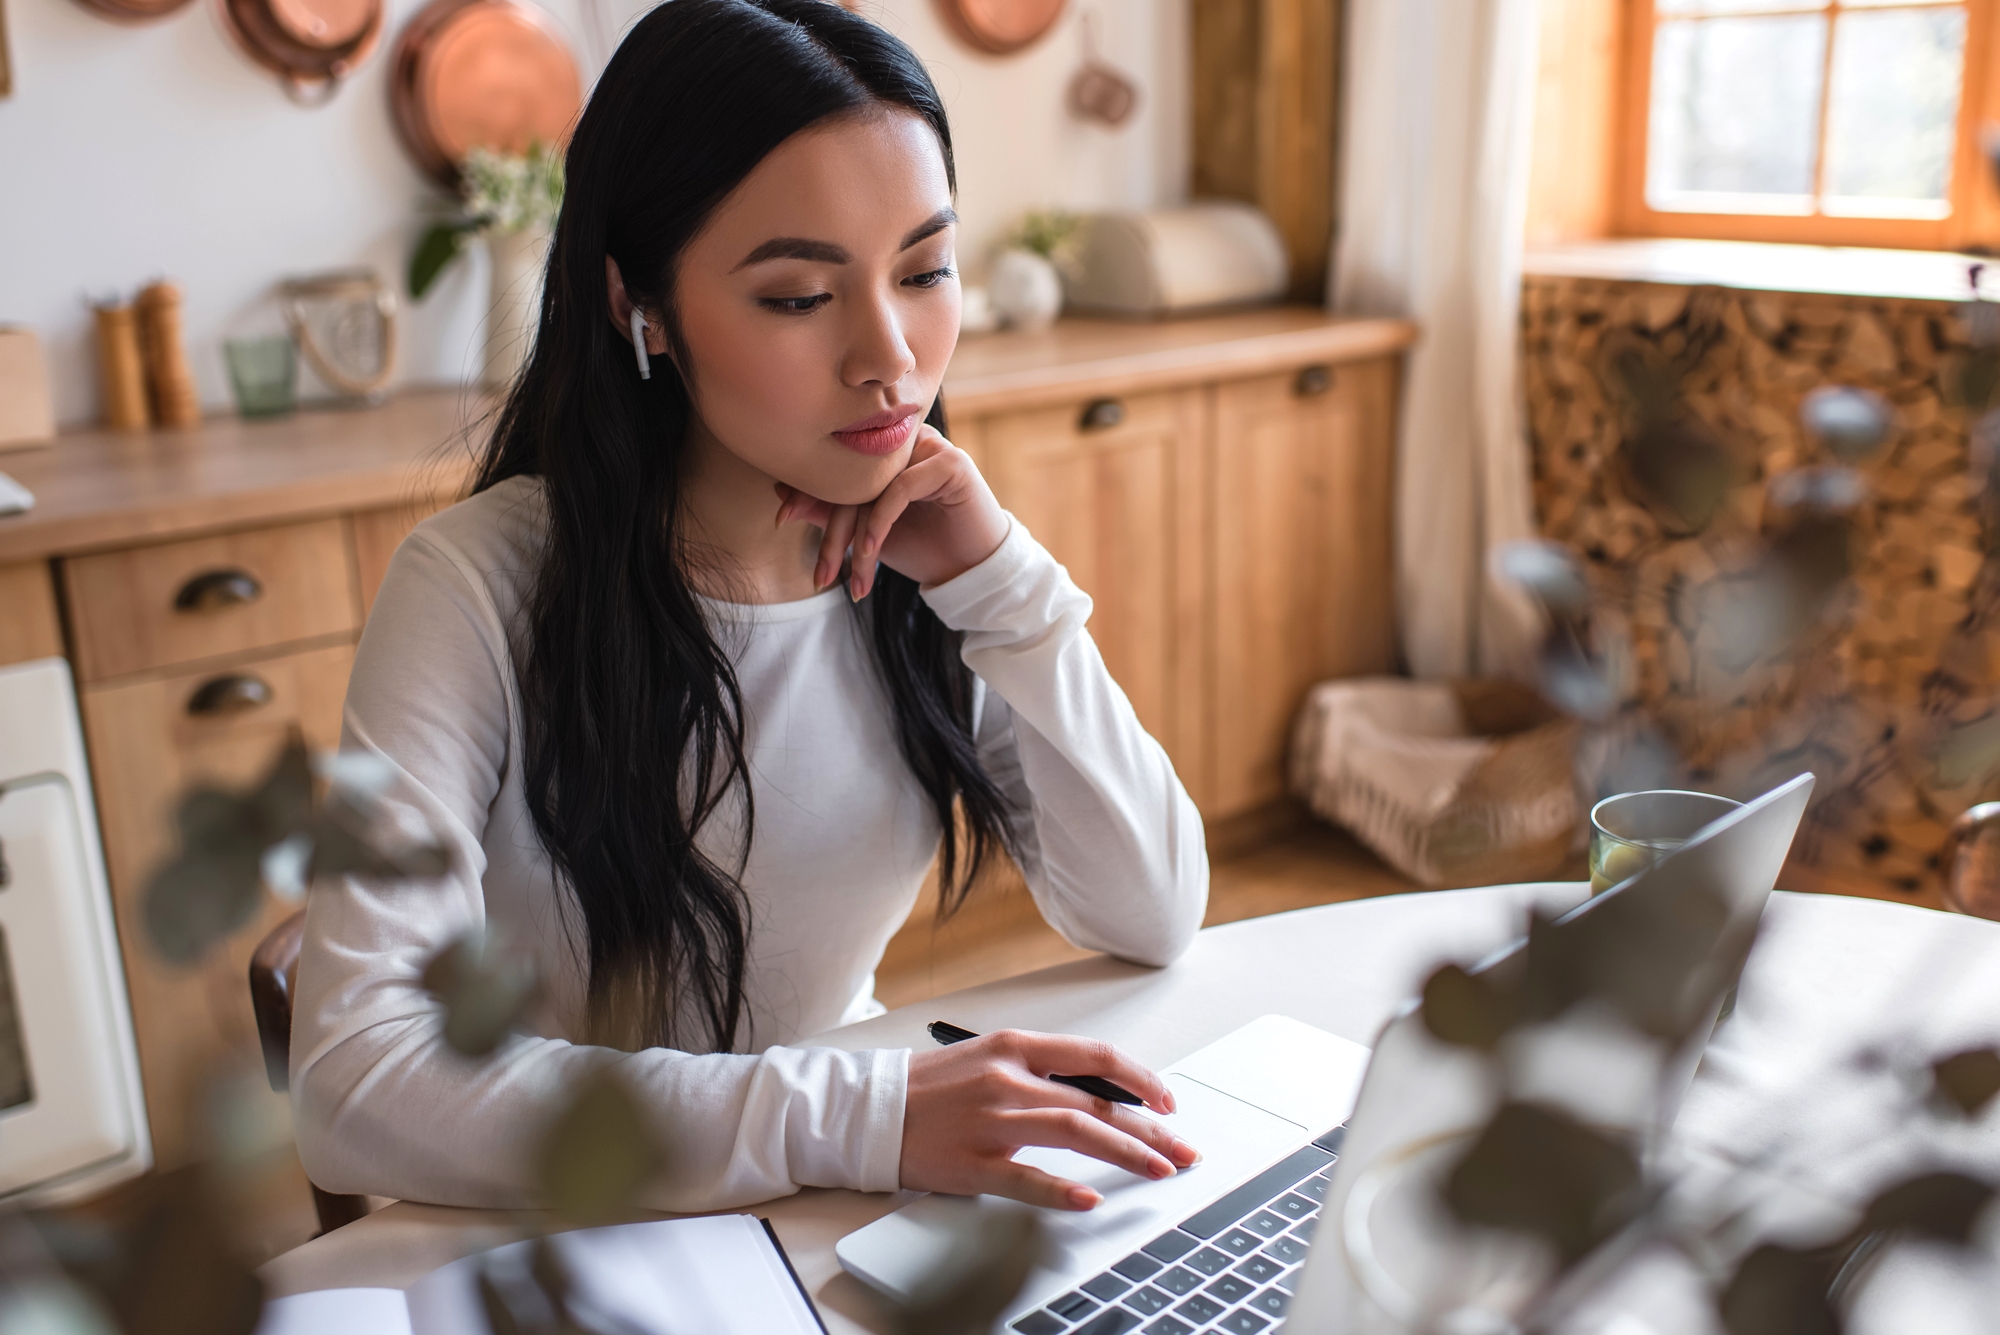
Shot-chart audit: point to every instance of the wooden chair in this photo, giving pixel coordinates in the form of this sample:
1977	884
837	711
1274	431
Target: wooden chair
274	967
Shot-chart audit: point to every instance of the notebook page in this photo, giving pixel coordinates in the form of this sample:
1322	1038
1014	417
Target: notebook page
337	1312
718	1275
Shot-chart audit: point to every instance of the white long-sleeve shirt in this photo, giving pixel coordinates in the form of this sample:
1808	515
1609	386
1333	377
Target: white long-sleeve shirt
1111	848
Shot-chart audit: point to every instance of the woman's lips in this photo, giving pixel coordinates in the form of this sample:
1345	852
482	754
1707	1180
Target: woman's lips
882	433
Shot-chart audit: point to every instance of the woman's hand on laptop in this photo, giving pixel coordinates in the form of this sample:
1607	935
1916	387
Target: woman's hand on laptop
972	1106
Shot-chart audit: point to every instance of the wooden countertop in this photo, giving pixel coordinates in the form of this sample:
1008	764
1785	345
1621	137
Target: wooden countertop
97	489
990	372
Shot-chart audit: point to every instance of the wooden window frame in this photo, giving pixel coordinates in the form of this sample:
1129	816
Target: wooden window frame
1974	220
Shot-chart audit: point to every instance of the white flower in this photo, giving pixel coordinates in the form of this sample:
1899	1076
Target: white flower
508	192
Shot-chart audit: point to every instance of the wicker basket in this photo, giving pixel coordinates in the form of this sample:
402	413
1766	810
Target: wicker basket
1452	783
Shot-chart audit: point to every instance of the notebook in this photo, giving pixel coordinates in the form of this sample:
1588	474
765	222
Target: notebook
719	1275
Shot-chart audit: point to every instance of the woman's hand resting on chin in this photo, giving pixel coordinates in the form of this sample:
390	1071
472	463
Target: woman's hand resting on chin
934	522
972	1106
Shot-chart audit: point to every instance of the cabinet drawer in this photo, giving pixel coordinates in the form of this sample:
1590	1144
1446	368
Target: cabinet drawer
28	625
151	738
1110	486
179	602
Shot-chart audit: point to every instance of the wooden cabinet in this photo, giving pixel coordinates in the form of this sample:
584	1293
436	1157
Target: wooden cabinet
147	747
180	690
1301	465
377	534
1234	537
1109	486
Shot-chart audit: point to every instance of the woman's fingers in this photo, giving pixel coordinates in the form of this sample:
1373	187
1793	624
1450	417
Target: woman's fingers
927	479
1154	1134
1075	1129
1064	1054
861	564
836	522
840	526
795	506
1157	1135
1021	1183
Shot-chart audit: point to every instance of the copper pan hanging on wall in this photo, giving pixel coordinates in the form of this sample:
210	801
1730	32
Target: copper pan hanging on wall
133	11
481	74
311	45
1001	27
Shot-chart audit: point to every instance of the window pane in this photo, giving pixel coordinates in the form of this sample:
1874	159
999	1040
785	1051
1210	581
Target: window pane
1735	113
1893	113
1738	6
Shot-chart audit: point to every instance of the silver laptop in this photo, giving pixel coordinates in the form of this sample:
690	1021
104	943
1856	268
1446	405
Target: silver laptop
1224	1246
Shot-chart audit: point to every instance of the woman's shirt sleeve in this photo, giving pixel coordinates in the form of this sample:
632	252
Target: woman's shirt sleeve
1110	844
383	1106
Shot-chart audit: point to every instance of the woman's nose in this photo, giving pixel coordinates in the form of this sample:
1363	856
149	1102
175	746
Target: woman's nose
877	352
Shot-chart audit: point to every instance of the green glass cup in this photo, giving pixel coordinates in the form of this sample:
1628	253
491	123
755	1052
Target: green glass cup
264	373
1629	832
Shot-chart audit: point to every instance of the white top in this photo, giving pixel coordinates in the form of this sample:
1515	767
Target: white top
1112	851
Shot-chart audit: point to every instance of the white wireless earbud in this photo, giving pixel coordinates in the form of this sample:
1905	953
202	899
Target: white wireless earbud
639	344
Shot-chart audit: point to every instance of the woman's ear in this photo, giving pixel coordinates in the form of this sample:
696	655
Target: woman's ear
621	310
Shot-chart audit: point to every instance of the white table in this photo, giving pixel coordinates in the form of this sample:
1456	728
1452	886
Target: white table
1828	974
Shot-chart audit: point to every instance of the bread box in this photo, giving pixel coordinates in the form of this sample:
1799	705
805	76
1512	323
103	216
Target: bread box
1171	261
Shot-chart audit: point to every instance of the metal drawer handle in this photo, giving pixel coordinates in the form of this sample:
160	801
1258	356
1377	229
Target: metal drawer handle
214	589
231	693
1313	380
1101	415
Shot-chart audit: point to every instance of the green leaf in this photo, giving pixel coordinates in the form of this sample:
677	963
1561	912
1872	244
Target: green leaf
1535	1169
599	1155
484	991
200	897
1465	1009
1783	1291
1968	1080
1943	1206
180	1270
442	244
991	1255
1969	752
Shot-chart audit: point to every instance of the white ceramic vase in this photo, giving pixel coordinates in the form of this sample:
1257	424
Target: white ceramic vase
1026	290
516	301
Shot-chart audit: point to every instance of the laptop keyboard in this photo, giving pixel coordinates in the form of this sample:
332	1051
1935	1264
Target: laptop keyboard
1230	1266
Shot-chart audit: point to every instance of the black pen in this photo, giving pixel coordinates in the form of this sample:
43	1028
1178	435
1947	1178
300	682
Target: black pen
1096	1085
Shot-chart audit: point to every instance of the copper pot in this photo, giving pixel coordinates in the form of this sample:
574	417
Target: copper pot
481	74
311	45
1971	862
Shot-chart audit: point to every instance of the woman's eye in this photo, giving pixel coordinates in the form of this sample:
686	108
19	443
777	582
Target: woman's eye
931	279
795	305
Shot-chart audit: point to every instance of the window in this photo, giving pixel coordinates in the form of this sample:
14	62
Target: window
1848	122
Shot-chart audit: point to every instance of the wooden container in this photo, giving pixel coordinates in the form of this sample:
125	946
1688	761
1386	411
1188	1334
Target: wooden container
168	378
27	417
121	372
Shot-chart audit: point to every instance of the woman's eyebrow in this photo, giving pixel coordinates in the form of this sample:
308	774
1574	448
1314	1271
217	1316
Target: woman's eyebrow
795	248
930	227
825	252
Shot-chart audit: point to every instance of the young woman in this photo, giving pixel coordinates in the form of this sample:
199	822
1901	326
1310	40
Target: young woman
727	645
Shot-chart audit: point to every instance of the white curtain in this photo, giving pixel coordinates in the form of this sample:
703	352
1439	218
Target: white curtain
1438	105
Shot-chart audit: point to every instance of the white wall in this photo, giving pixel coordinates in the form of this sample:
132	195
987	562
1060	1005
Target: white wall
134	152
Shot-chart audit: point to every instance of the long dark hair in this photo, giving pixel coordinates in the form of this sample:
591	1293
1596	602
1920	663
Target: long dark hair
632	718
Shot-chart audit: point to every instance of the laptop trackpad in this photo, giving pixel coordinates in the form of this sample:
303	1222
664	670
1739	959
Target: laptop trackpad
1236	1141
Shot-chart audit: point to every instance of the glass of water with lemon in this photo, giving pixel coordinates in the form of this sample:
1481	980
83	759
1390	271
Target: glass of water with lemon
1631	831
